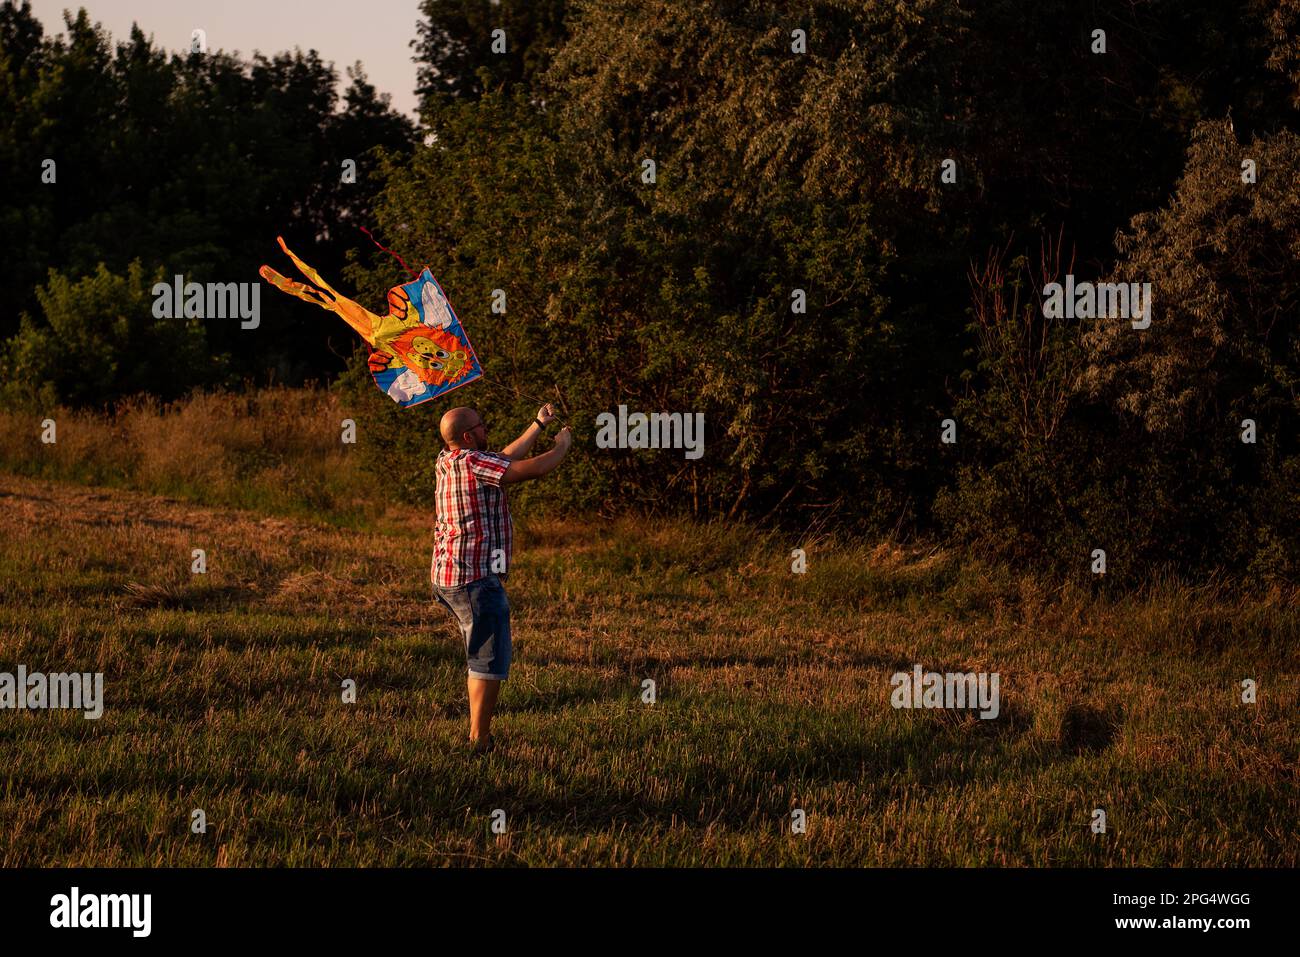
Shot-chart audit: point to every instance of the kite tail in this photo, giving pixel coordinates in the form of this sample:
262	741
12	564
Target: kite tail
354	314
301	290
307	271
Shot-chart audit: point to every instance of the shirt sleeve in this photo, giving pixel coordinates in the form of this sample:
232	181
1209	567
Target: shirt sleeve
488	467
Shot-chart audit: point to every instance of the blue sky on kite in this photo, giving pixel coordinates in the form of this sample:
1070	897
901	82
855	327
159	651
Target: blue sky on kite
439	358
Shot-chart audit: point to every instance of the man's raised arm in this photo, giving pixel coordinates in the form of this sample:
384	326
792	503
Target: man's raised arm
520	447
523	469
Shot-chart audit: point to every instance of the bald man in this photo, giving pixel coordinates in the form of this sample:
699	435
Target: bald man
472	542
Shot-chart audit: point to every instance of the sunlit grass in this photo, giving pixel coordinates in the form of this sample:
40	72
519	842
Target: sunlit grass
223	692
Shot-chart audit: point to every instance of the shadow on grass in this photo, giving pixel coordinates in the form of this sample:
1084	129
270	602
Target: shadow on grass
1087	730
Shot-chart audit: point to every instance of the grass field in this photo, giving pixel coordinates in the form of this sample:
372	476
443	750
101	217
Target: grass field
223	692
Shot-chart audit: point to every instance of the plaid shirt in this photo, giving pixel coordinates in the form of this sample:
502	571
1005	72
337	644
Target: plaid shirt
473	517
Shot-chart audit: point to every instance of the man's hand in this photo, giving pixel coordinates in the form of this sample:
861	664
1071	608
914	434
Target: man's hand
545	414
563	440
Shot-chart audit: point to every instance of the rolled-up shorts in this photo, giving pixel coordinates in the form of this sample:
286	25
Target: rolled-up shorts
483	613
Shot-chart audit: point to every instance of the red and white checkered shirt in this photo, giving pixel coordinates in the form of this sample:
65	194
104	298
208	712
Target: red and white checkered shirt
474	534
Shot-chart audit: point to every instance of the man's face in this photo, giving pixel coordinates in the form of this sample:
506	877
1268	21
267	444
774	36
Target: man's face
475	438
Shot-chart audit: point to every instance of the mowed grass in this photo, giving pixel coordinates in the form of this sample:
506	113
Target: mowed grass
223	692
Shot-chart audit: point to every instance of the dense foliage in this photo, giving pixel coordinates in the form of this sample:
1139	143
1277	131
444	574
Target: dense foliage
780	178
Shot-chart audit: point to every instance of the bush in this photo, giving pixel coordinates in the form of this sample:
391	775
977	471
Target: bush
1097	435
99	341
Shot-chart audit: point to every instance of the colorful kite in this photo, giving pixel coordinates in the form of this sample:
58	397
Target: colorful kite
417	354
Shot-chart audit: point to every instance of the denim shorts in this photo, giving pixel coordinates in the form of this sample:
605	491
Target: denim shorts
483	613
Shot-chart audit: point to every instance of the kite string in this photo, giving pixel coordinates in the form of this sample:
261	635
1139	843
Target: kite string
524	395
408	269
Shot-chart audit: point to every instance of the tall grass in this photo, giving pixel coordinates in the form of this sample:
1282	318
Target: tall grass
274	450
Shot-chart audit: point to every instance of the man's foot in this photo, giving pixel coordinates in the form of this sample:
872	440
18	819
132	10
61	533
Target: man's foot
482	746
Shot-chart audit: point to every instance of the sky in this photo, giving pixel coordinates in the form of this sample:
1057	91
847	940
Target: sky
376	32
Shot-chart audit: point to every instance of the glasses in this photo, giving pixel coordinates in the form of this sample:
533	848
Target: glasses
479	425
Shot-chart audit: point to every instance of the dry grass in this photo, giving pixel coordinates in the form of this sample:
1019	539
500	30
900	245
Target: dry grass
274	450
223	693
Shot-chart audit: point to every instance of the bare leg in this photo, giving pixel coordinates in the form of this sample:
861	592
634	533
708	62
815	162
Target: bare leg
482	702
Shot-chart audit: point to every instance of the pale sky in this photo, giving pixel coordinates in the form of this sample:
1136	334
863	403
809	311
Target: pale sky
376	32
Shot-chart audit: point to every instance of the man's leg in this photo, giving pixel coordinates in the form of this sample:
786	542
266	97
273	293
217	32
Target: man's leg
488	652
482	702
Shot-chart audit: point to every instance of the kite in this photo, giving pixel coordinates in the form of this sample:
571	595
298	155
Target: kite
418	352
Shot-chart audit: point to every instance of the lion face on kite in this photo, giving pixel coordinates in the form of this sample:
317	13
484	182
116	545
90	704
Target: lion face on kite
418	350
435	356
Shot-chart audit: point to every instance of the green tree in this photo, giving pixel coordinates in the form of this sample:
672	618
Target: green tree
454	46
98	341
27	205
1223	258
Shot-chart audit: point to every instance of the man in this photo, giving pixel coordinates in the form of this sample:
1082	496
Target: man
472	543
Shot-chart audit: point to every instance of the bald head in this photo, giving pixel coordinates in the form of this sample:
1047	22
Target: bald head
456	422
